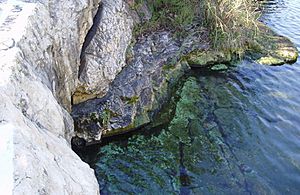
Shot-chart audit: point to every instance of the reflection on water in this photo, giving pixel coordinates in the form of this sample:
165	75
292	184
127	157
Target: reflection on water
272	6
233	133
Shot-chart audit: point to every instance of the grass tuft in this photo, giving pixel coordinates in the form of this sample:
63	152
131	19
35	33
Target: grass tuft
232	23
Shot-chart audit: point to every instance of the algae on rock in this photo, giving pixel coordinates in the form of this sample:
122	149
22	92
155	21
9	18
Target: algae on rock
202	59
269	48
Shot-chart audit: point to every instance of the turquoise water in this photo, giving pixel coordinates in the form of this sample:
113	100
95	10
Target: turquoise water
236	132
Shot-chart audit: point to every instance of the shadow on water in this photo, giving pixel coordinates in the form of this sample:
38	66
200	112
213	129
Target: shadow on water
234	132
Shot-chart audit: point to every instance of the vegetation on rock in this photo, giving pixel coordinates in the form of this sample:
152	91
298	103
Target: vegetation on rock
201	59
232	23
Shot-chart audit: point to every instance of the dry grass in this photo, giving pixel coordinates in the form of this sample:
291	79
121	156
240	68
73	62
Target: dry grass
232	23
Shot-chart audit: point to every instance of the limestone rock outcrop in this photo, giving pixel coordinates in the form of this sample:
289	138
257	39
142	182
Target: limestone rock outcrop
104	52
40	46
139	91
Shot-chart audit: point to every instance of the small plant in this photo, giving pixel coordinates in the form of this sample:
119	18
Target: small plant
170	14
131	100
106	115
174	13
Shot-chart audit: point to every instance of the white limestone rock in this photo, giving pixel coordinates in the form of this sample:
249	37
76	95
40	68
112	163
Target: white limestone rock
104	54
40	45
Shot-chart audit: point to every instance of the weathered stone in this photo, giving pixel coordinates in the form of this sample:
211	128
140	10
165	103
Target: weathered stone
104	52
140	11
140	90
40	44
269	48
202	59
219	67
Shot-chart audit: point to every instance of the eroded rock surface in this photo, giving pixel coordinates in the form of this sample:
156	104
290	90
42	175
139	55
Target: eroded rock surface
209	58
140	90
40	44
269	48
104	52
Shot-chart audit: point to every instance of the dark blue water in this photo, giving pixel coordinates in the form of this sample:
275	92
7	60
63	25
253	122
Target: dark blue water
232	133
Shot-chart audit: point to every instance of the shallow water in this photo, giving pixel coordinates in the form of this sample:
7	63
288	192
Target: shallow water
236	133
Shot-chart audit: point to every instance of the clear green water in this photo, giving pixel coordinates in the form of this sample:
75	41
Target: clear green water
236	132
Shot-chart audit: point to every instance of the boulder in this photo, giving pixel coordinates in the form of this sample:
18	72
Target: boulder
104	52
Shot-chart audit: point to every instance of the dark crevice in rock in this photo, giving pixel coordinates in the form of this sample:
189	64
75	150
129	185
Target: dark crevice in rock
90	35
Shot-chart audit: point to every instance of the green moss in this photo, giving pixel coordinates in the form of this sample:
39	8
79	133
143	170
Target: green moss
288	53
167	67
186	109
133	100
94	117
201	59
105	116
219	67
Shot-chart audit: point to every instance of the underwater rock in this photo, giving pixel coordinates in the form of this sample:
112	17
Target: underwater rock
186	156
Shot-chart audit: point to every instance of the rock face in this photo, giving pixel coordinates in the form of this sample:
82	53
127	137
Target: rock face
40	44
103	55
139	91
